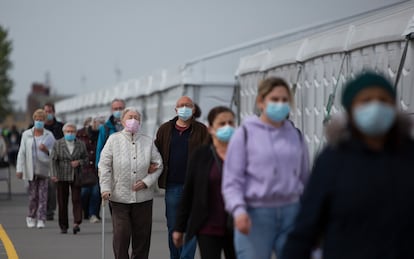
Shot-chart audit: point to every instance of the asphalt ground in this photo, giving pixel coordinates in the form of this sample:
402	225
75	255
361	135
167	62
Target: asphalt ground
18	241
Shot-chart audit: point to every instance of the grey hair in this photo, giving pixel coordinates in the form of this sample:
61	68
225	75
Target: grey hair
128	109
69	124
118	100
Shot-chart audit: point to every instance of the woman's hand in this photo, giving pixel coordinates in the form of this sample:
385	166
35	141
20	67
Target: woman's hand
106	195
75	163
153	167
54	179
139	185
243	223
44	149
178	239
19	175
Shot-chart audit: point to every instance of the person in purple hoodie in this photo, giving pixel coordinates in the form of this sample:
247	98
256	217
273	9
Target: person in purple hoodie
266	169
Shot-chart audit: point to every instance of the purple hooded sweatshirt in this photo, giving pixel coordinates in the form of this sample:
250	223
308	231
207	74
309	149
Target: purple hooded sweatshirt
270	171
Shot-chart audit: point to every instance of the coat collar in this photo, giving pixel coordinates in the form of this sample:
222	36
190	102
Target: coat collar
338	129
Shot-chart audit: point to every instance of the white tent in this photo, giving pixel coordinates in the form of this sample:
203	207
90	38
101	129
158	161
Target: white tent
317	65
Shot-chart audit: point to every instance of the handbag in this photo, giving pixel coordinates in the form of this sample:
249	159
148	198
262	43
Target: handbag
88	178
85	178
77	177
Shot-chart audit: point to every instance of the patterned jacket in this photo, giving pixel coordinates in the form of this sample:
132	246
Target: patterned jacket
125	159
61	158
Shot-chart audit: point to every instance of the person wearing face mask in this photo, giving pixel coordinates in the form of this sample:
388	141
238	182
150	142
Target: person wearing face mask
266	169
112	125
359	199
68	157
55	127
201	212
90	193
176	140
126	182
33	165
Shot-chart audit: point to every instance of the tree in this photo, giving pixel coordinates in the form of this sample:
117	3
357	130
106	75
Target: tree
6	84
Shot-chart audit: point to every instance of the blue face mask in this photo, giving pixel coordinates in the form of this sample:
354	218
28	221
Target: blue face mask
49	117
224	133
39	124
184	113
70	136
277	111
374	118
117	114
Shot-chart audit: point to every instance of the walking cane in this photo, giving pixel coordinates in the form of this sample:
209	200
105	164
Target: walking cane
103	228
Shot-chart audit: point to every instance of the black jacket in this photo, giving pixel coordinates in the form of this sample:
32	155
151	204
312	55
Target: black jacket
56	129
193	209
198	136
359	202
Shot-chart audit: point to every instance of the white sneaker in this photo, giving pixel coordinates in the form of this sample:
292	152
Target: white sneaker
40	224
31	222
93	219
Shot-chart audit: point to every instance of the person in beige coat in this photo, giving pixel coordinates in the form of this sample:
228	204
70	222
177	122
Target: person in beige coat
126	181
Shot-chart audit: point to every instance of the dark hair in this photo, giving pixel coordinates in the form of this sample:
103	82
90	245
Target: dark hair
267	85
214	112
197	111
51	105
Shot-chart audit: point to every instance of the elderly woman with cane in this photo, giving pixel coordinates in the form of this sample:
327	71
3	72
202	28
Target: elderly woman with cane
126	182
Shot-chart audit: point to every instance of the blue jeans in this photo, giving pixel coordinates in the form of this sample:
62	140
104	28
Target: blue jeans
269	231
173	195
91	199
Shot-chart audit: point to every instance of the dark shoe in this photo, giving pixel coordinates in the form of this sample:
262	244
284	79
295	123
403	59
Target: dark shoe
63	231
76	229
49	218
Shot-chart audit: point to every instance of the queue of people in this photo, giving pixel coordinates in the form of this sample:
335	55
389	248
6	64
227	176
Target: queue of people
246	192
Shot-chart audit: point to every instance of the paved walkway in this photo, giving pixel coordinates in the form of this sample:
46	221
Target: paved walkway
49	243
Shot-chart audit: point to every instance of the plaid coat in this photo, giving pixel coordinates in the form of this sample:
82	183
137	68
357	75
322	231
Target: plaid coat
61	158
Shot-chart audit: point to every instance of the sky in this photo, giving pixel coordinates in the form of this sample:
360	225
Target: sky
87	45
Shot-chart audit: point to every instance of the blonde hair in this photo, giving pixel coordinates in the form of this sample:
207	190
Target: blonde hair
39	112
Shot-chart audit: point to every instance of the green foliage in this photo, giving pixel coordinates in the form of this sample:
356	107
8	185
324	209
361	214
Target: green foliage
6	84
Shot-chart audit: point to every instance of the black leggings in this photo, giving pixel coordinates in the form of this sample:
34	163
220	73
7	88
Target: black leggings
211	246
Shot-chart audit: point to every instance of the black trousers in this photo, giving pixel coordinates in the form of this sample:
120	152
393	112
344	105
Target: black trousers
131	222
212	246
63	188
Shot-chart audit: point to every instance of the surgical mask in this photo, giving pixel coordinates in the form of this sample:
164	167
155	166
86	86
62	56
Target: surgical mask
70	136
277	111
49	117
117	114
224	133
39	124
184	113
132	125
374	118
